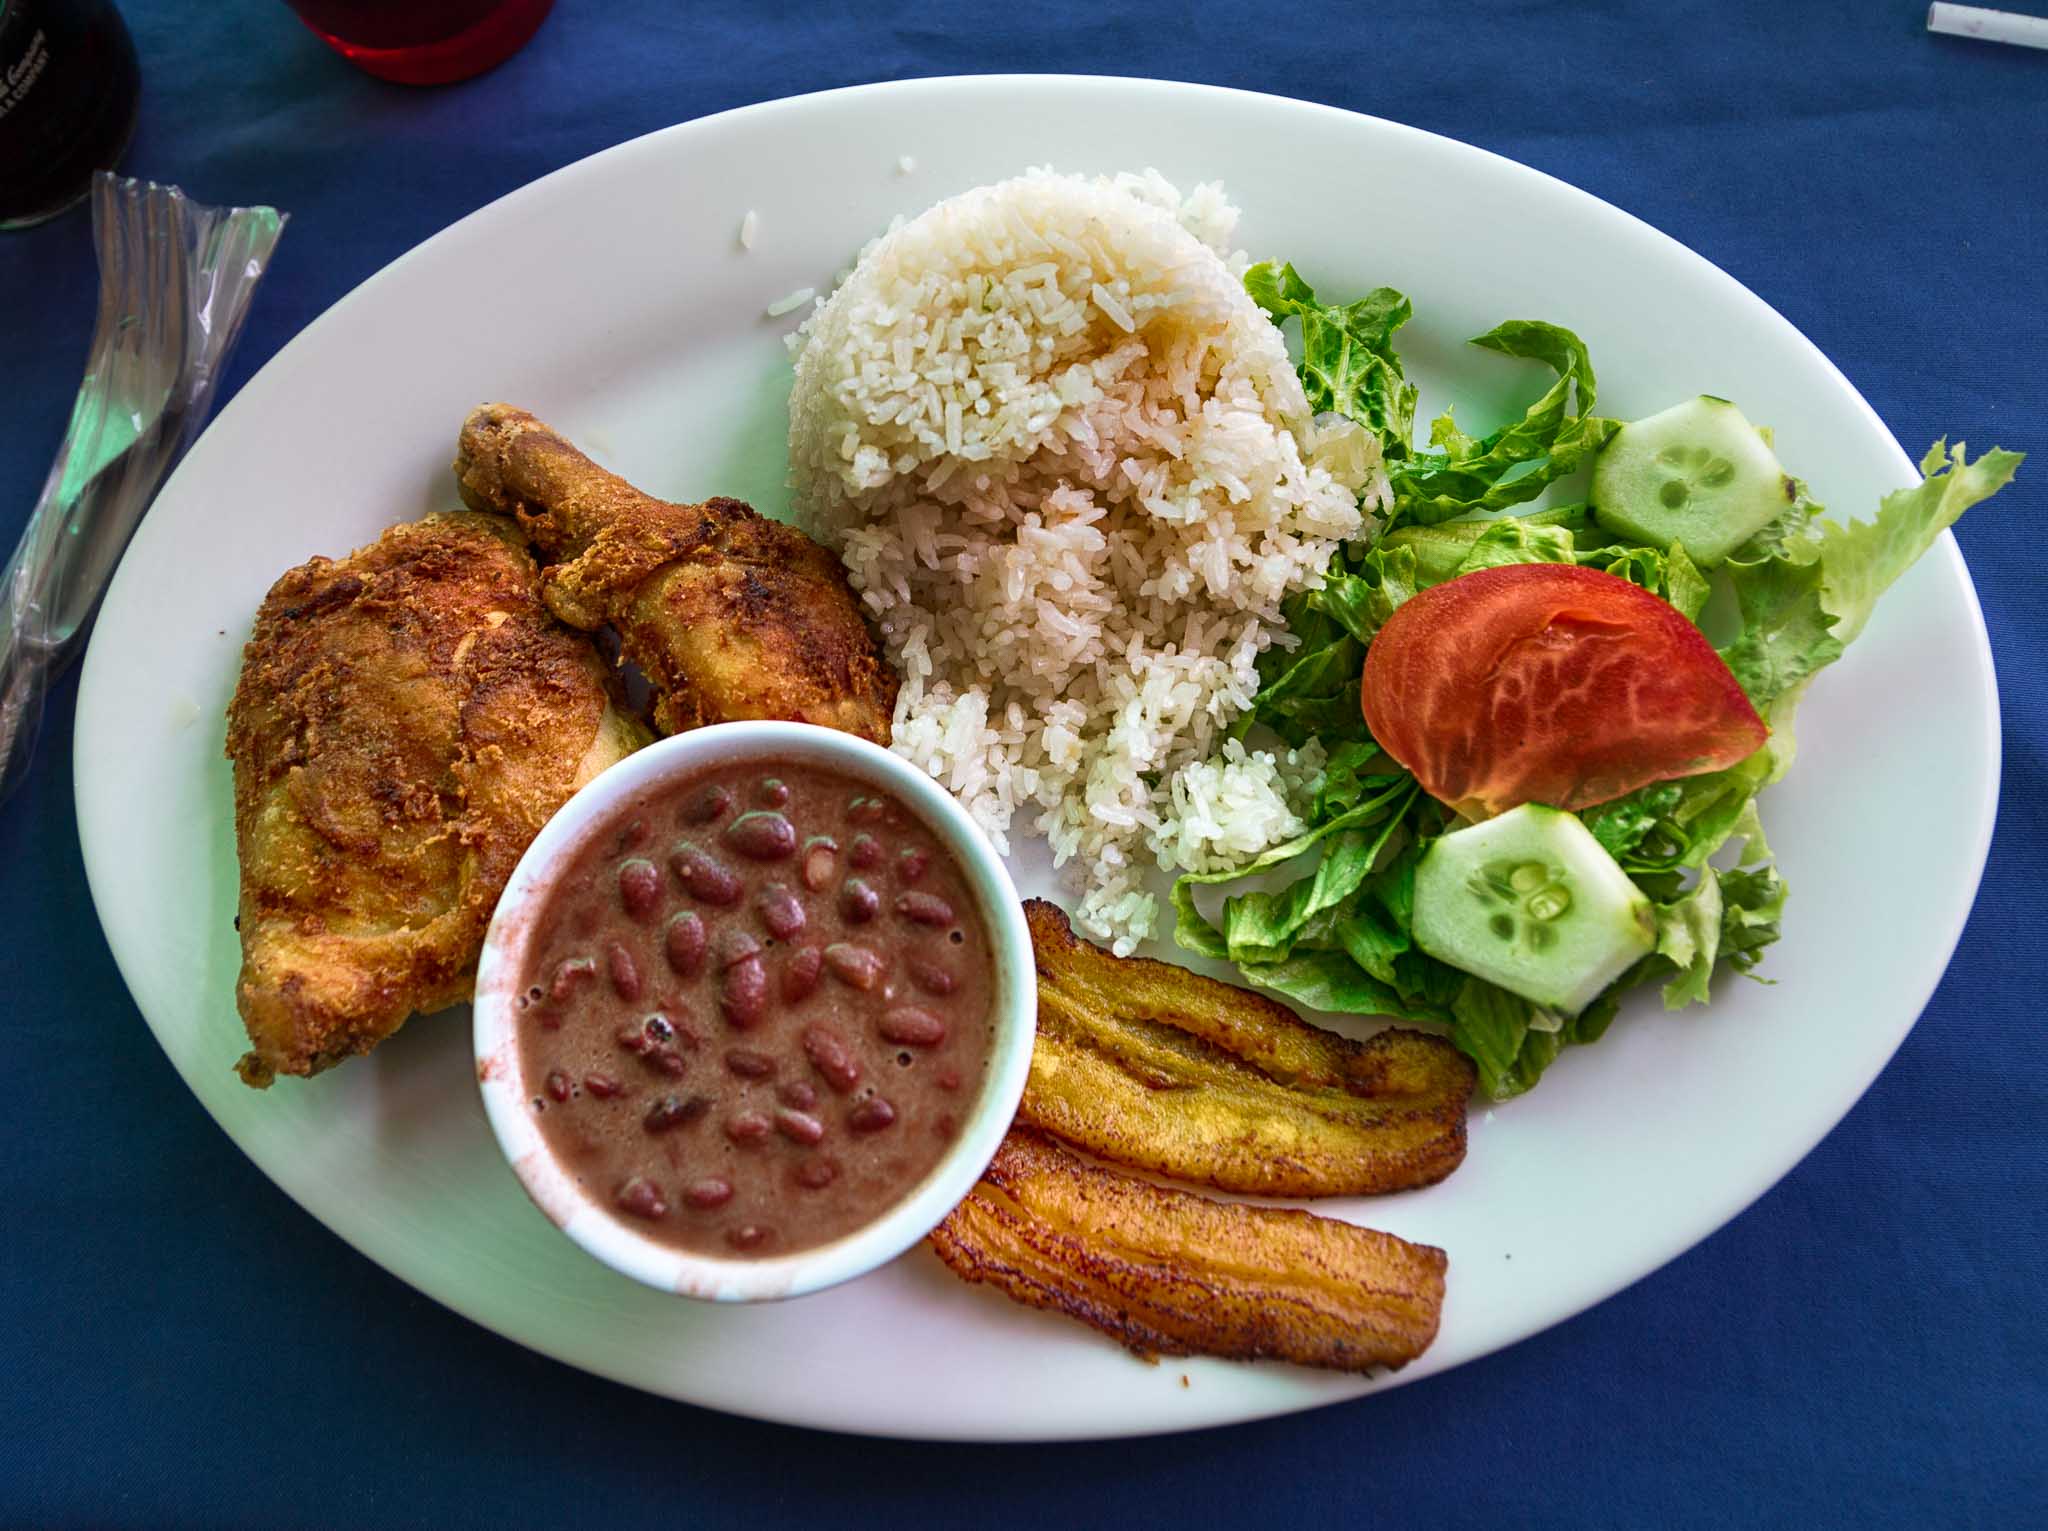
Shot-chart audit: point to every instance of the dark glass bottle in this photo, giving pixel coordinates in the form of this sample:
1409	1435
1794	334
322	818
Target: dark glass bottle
68	91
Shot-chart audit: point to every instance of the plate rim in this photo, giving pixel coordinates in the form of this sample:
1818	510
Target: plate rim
1845	1096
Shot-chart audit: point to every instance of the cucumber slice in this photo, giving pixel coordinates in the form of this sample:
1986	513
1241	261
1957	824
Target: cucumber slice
1698	473
1532	902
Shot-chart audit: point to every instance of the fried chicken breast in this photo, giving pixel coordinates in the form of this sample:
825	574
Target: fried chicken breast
406	720
729	614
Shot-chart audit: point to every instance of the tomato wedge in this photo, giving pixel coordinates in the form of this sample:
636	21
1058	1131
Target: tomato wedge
1548	683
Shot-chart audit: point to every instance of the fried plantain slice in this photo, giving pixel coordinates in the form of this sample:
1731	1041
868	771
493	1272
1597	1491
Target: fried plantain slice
1170	1273
1152	1066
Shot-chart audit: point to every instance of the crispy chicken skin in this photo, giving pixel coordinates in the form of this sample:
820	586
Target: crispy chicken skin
1167	1273
407	719
729	614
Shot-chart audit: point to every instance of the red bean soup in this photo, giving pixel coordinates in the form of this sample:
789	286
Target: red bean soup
757	1007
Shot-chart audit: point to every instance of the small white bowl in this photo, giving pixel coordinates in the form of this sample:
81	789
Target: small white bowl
508	1095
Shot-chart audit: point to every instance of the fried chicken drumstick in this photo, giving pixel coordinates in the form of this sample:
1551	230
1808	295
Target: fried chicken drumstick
407	719
729	614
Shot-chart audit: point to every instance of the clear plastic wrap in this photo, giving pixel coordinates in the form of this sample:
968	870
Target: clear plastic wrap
175	283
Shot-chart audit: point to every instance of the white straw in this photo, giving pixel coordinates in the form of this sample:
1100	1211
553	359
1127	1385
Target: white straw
1987	25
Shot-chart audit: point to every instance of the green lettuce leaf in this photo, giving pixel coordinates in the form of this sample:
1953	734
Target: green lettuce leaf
1689	938
1348	365
1332	981
1860	561
1668	572
1315	696
1624	824
1556	435
1513	540
1787	631
1355	771
1562	534
1673	825
1510	1040
1262	927
1806	585
1359	597
1752	903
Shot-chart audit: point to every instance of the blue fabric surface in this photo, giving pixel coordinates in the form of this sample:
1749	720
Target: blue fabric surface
179	1343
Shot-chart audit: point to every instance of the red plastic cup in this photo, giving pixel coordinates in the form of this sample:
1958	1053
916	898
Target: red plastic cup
424	42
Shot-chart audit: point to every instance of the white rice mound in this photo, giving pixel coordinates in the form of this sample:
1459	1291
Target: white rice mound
1071	472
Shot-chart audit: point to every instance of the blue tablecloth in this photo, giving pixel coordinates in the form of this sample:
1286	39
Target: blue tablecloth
179	1342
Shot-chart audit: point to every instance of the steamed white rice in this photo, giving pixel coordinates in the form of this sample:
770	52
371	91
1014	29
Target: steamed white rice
1072	472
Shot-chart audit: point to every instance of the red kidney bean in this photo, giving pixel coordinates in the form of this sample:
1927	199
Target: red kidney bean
949	1079
558	1085
630	837
761	835
687	1035
673	1111
748	1236
912	1026
858	901
930	977
744	998
866	810
911	865
642	1198
703	877
666	1060
781	911
871	1115
800	974
772	790
864	852
831	1056
748	1126
707	1193
685	943
821	857
624	970
639	888
732	945
572	973
816	1174
603	1086
712	803
924	908
632	1038
749	1064
800	1127
798	1094
854	964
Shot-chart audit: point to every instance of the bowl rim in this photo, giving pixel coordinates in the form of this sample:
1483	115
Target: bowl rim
500	1070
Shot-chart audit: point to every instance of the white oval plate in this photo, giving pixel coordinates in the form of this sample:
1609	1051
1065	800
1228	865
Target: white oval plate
613	299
